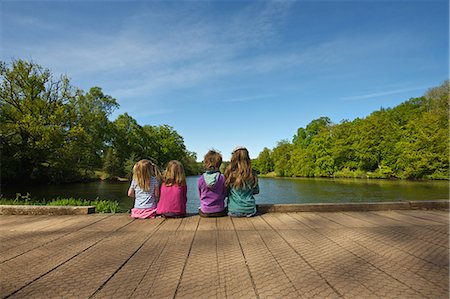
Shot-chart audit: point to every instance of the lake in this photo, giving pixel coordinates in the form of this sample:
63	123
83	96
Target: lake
273	190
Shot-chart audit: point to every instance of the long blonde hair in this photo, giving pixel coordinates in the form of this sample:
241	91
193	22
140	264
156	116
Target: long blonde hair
143	170
239	172
174	174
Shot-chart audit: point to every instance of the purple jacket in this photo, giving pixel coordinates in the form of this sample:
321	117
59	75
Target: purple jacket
212	192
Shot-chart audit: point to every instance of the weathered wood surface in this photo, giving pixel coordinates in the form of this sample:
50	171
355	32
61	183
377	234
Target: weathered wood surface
382	254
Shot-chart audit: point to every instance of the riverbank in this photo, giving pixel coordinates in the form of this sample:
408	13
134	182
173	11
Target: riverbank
358	175
25	205
272	191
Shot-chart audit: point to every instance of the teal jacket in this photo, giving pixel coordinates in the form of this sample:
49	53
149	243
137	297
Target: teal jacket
242	200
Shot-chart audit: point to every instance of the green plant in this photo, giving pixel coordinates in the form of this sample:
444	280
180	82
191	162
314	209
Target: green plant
101	206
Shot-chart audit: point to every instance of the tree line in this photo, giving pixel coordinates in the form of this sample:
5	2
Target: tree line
409	141
54	132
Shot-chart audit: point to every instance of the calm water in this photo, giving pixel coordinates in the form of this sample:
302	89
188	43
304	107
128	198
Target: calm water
273	190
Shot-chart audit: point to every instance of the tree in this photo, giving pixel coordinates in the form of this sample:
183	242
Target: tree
264	161
170	144
304	136
132	142
50	130
407	141
32	113
423	148
281	156
90	113
191	166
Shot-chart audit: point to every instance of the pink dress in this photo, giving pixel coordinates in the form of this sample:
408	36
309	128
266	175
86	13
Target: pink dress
172	200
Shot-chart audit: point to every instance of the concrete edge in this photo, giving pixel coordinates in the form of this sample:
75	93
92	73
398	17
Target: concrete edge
46	210
262	208
364	206
435	204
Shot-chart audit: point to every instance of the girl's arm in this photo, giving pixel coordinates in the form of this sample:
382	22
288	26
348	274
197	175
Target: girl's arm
199	188
256	189
157	189
131	192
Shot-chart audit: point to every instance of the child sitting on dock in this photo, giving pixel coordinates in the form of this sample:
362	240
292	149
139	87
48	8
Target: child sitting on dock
172	203
242	184
211	187
144	189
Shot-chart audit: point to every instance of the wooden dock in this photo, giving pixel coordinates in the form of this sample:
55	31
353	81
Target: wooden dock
378	254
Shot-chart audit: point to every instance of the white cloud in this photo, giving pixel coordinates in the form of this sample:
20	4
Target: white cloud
382	93
163	50
247	99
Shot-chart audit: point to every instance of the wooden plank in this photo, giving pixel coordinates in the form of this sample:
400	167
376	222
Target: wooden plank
405	218
224	224
268	277
274	221
346	220
378	220
17	243
242	223
314	220
259	223
46	258
207	224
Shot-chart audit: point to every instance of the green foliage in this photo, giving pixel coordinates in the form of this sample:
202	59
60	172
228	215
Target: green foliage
131	142
281	156
224	166
50	131
191	166
305	136
264	163
112	164
53	132
101	206
409	141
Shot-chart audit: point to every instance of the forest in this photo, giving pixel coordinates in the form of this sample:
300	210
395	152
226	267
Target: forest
53	132
409	141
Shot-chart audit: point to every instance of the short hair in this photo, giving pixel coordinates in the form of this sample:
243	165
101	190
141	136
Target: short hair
212	160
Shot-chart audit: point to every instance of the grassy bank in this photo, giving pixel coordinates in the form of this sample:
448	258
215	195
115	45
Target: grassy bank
101	206
381	173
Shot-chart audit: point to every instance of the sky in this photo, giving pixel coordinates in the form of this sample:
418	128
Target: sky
229	73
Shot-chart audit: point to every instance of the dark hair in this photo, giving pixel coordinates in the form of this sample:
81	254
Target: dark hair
212	160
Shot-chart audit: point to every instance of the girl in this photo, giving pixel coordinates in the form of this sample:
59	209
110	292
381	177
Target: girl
173	191
242	184
211	187
144	189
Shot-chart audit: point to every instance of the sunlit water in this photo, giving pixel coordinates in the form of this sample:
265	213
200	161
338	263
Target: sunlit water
273	190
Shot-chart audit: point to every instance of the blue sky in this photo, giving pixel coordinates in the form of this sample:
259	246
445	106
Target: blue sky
227	73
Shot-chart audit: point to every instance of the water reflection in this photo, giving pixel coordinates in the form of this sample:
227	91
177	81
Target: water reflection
273	190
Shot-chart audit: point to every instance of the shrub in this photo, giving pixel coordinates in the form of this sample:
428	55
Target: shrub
101	206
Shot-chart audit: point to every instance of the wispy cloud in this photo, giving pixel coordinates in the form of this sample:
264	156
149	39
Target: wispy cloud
246	99
161	50
156	39
382	93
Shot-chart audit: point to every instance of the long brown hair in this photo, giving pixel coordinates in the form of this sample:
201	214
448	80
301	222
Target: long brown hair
143	170
239	172
174	174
